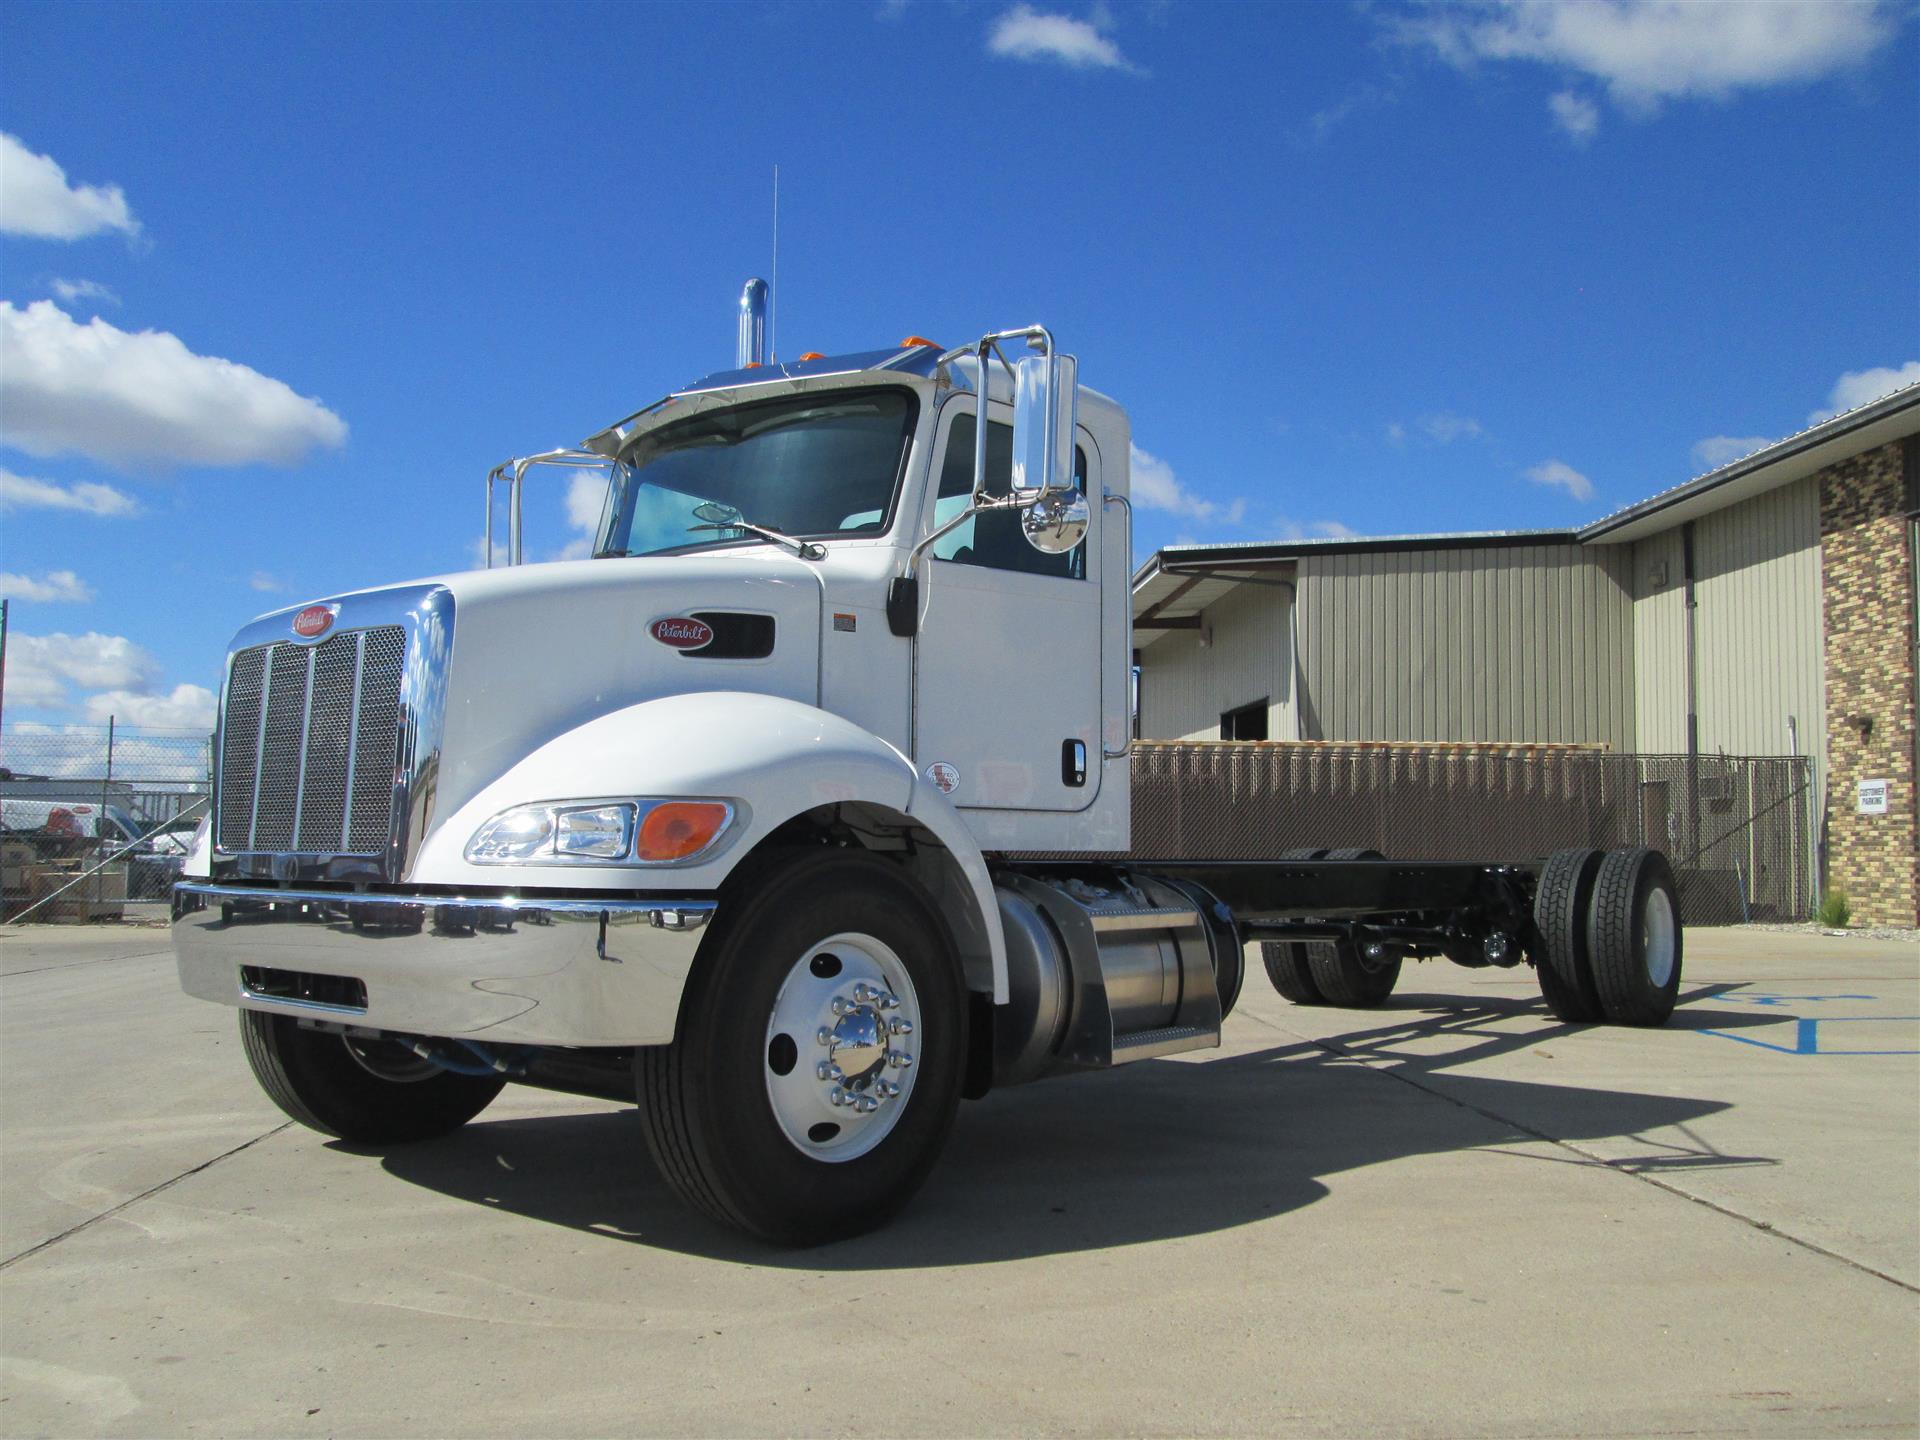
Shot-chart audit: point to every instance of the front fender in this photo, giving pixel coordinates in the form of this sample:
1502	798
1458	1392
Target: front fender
773	758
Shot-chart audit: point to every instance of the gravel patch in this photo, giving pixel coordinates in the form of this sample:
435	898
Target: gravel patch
1858	932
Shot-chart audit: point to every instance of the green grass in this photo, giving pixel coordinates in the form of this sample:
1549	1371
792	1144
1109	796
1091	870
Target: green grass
1834	912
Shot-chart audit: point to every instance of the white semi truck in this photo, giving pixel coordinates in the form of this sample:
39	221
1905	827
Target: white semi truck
733	819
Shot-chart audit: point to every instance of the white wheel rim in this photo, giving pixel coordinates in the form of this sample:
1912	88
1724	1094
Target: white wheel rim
1657	933
845	1027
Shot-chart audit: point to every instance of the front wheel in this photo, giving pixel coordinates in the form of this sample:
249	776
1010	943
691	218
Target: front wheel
369	1092
817	1066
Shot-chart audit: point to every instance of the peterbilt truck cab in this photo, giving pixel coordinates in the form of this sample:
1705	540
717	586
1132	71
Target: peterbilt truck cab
745	767
796	813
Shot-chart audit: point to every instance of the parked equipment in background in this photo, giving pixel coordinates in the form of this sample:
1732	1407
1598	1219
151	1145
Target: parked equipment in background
736	819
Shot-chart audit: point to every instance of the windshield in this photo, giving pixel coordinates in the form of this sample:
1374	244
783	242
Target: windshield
812	466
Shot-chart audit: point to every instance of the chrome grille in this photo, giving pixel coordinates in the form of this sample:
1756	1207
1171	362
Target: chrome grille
309	742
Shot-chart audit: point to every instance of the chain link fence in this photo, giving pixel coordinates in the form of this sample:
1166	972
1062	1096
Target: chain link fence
1738	828
110	807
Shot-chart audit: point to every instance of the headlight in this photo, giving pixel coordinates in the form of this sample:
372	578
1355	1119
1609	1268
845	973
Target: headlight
604	832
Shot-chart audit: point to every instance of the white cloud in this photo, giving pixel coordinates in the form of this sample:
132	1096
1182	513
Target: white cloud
40	667
1286	528
54	585
1575	114
144	398
1717	450
1563	476
586	498
1863	387
266	582
1156	487
1024	33
21	492
1444	429
1645	51
1322	123
72	292
189	707
1441	428
36	200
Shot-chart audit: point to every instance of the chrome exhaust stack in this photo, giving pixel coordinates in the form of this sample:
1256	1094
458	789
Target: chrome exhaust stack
752	346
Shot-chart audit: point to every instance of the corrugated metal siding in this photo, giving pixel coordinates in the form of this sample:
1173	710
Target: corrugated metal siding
1184	688
1524	643
1659	649
1758	647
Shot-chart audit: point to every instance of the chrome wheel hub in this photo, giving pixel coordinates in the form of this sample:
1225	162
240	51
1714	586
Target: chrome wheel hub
839	1060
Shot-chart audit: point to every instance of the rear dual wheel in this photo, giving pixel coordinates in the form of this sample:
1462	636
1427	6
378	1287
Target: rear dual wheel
1329	972
1610	937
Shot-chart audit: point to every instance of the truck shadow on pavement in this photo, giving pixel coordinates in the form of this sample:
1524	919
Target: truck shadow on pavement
1153	1151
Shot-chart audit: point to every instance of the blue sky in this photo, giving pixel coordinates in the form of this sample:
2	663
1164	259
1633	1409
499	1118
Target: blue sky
283	282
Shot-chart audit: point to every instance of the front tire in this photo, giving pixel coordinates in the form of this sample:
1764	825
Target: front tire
367	1092
794	1103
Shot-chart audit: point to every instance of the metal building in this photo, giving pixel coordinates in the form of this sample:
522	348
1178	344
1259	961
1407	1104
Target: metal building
1765	608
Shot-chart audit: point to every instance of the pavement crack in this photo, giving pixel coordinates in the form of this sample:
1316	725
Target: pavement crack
82	964
146	1194
1766	1227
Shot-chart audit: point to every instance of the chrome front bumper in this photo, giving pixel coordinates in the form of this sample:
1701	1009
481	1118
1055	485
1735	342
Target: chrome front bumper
535	972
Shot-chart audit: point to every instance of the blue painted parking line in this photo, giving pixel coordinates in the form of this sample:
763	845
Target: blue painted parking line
1807	1039
1770	999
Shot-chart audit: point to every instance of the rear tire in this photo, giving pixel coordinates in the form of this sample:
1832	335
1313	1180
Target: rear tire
1564	967
738	1113
1286	960
367	1092
1287	968
1347	978
1633	931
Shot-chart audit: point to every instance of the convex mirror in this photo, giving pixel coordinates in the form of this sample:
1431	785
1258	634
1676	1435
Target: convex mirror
1056	522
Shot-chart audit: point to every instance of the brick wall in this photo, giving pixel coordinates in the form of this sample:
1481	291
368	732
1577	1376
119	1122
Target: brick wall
1868	606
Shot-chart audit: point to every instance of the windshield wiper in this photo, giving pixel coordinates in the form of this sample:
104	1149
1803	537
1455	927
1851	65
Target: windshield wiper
725	517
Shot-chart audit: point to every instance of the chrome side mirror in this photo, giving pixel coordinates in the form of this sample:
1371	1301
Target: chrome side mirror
1056	522
1045	410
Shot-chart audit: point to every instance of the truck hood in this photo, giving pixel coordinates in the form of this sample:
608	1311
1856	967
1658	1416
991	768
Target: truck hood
540	649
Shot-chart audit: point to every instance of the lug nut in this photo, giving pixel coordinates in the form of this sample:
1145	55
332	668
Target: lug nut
842	1006
827	1070
886	1088
901	1027
824	1036
865	1105
889	1001
899	1059
836	1096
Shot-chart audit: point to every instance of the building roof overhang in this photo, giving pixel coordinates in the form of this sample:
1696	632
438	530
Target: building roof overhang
1891	417
1176	585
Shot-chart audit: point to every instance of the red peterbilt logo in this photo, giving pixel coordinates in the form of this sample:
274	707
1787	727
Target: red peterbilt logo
682	632
313	622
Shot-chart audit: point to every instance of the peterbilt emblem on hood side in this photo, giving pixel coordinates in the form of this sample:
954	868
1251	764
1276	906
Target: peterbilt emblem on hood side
682	632
314	621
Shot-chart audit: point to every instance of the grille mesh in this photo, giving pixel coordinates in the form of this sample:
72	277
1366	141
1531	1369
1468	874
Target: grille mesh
309	742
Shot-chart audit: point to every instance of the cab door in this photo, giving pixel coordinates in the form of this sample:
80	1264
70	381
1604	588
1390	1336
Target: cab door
1007	659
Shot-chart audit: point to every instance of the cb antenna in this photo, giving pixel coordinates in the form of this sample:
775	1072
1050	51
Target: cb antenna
773	301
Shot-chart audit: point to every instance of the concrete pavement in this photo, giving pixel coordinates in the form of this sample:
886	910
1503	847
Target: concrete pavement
1450	1216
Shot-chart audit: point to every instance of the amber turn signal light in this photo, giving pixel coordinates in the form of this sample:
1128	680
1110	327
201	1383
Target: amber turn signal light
679	828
